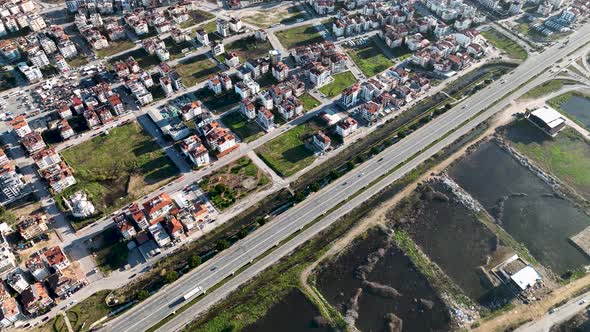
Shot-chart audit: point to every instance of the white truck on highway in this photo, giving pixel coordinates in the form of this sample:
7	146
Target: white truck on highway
193	292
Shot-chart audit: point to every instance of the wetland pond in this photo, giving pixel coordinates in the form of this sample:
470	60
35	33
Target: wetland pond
578	107
373	284
524	205
452	236
294	313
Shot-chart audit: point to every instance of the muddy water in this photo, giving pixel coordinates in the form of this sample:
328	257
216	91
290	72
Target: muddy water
579	108
524	205
338	281
452	236
294	313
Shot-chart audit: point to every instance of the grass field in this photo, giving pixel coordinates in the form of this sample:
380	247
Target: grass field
303	35
114	48
248	130
114	169
176	49
196	17
505	44
249	48
196	70
309	102
287	154
369	58
110	252
266	18
341	82
546	88
232	182
144	60
566	156
218	104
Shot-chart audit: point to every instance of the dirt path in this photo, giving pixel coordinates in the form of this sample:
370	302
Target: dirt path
524	312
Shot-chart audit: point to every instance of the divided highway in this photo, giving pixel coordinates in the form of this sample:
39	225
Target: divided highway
429	139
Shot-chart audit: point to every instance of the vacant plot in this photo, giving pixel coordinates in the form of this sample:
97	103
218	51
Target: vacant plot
109	252
196	17
266	18
249	48
341	82
196	70
220	103
7	80
302	35
287	154
507	45
176	49
234	181
117	168
566	156
81	316
369	58
248	130
114	48
546	88
309	102
144	60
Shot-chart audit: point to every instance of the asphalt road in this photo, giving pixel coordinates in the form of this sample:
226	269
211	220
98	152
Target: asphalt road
562	314
163	303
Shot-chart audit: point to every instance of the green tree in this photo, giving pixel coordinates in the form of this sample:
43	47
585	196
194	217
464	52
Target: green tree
222	245
194	261
171	276
142	295
315	186
334	174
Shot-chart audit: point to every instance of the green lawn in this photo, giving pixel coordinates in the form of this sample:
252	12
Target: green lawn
144	60
287	154
369	58
218	104
114	48
505	44
109	250
197	16
249	48
566	156
266	18
303	35
77	61
309	102
248	130
117	168
176	49
341	82
234	181
195	70
546	88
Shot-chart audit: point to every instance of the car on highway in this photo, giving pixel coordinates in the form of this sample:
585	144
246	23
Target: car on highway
582	302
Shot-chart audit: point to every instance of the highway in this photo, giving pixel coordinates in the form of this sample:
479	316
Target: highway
427	139
562	314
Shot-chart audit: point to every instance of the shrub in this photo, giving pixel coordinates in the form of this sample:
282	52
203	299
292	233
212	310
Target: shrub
194	261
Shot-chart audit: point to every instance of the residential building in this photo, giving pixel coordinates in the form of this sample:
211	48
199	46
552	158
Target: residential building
174	228
350	95
17	281
66	281
193	148
247	109
138	216
321	141
125	227
33	74
346	127
191	110
232	59
46	157
3	158
33	226
370	111
20	126
159	234
56	258
280	71
217	48
223	28
9	312
33	142
37	267
266	118
65	130
35	299
290	108
202	37
235	25
11	182
158	206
